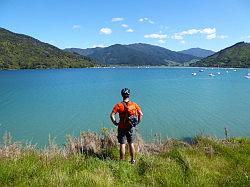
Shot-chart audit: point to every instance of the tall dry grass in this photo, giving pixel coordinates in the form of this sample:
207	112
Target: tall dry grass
89	143
92	159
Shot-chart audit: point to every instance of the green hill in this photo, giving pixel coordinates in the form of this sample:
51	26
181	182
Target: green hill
237	55
135	54
18	51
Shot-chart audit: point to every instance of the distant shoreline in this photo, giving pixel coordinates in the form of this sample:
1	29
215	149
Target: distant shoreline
135	67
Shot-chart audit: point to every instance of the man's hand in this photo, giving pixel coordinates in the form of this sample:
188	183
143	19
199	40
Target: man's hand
112	117
140	114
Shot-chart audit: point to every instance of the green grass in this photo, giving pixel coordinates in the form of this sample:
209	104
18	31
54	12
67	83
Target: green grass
207	162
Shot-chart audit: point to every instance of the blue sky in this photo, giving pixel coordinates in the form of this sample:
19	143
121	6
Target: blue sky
173	24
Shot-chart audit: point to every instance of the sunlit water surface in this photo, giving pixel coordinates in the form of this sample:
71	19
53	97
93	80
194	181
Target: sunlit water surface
36	103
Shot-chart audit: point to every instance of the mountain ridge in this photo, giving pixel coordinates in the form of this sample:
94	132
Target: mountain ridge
199	52
135	54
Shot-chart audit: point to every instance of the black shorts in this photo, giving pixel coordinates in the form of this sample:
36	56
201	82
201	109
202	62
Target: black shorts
124	134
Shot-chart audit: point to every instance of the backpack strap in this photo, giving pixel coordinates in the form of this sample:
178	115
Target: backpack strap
125	105
126	113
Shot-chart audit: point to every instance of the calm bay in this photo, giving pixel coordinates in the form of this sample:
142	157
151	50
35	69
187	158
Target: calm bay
36	103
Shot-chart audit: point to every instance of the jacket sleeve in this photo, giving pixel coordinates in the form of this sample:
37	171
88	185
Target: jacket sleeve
137	107
115	109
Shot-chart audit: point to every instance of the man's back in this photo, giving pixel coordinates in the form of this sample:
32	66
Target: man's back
126	109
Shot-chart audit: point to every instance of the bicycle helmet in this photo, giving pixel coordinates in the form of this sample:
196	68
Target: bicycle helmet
125	92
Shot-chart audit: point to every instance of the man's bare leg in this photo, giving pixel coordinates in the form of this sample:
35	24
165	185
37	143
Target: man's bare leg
122	151
132	151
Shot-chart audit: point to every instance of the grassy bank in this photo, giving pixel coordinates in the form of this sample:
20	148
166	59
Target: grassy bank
93	160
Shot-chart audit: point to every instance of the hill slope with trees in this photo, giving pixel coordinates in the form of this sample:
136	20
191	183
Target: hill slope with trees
237	55
18	51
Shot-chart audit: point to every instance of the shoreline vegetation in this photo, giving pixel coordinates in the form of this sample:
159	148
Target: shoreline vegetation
92	159
126	66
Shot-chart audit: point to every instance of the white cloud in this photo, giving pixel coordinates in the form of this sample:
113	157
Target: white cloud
222	36
162	41
117	19
129	30
211	36
124	25
151	22
163	27
146	20
156	36
98	45
105	30
177	37
76	27
189	32
183	42
209	32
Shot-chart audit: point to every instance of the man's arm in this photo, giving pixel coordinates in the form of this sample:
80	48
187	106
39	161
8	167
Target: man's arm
140	114
112	117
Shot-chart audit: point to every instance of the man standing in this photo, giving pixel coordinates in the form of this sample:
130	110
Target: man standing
130	115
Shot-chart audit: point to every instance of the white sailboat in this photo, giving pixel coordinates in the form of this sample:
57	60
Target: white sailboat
194	74
218	70
211	75
247	76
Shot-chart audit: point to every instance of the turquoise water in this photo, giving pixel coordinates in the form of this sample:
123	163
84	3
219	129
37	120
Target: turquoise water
36	103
